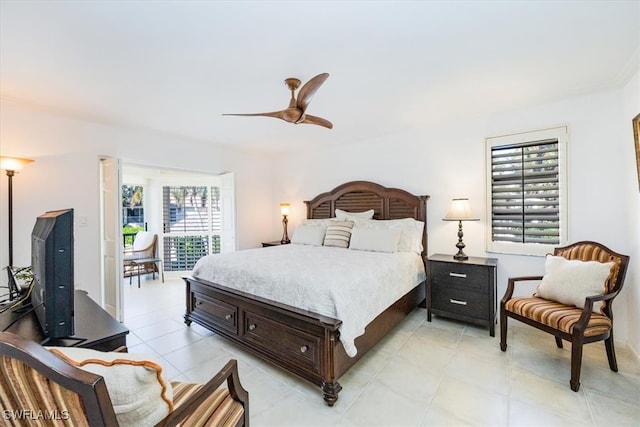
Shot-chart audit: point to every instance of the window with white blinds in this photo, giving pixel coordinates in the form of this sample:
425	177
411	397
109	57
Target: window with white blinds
526	187
192	220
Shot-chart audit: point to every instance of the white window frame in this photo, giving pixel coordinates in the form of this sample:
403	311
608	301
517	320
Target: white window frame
560	134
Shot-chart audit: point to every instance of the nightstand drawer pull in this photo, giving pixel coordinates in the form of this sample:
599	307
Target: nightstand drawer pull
252	326
455	301
461	275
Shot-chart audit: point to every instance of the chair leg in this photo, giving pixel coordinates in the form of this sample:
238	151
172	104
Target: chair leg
559	342
503	330
611	353
576	364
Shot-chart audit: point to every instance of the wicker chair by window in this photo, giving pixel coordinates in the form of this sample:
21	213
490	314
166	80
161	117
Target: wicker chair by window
37	382
579	320
144	247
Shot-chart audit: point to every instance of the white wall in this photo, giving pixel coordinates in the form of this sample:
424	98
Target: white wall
65	174
631	108
448	161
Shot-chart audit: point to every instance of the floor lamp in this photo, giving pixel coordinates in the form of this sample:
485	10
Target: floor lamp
11	165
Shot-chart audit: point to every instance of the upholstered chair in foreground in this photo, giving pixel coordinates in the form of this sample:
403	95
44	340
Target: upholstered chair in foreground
573	301
60	386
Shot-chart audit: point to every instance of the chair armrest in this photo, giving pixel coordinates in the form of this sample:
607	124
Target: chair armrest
229	374
511	286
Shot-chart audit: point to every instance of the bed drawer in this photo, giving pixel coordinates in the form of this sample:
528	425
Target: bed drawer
296	346
218	312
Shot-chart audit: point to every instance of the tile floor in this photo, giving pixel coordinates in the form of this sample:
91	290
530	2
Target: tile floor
443	373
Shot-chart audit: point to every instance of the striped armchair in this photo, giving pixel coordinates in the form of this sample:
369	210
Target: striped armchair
36	384
579	326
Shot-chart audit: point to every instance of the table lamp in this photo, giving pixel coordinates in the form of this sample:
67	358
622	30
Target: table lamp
460	210
284	209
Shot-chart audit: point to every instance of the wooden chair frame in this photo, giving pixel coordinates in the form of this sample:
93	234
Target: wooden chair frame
92	390
576	337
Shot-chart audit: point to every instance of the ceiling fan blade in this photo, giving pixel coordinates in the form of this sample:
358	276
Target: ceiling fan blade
309	89
276	114
313	120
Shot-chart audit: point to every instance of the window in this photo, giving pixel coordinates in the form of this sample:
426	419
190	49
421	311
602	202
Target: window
192	219
526	192
132	212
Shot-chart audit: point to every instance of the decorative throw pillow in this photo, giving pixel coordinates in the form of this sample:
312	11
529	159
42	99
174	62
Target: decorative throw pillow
571	281
308	235
338	234
139	392
353	216
376	240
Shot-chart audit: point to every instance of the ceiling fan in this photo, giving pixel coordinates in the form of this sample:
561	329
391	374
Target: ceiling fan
296	112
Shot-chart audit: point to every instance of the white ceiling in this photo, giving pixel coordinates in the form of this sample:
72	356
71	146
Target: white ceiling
174	66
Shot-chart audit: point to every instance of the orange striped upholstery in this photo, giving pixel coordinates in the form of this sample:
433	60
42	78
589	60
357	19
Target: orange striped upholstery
17	384
556	315
589	252
219	409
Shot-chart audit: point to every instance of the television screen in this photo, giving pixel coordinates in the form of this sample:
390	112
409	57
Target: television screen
52	265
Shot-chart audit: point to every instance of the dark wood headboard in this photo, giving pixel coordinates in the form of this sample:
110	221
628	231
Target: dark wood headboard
358	196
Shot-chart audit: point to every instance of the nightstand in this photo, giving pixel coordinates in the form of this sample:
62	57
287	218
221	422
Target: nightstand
463	290
274	243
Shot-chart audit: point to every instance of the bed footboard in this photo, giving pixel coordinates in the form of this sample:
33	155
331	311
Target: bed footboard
299	341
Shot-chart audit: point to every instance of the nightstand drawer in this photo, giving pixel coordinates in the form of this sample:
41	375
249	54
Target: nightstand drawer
465	303
459	276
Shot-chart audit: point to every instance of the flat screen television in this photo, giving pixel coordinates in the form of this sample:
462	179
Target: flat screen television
52	266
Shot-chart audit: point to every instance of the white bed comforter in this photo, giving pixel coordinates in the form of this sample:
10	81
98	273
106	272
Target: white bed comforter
349	285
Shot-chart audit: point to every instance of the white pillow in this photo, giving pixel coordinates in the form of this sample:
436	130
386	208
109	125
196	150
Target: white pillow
323	222
376	240
571	281
140	394
308	235
353	216
411	231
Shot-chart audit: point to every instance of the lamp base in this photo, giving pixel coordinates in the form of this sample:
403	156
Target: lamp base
460	256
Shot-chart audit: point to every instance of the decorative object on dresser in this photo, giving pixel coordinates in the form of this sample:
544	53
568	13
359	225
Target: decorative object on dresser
284	209
302	341
583	315
463	290
11	166
84	387
460	210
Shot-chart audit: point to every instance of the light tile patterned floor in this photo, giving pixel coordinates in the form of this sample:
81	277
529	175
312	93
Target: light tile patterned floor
443	373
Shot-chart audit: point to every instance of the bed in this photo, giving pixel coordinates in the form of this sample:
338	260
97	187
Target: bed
308	342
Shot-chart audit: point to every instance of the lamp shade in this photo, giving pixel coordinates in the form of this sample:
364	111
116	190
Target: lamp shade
460	210
284	208
13	163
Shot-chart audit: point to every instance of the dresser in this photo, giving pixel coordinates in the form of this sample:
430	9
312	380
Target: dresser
463	290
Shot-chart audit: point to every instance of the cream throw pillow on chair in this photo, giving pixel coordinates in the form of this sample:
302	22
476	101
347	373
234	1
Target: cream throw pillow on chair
571	281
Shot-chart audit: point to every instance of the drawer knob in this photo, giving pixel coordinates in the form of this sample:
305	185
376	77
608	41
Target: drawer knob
460	275
228	317
252	326
455	301
199	303
304	349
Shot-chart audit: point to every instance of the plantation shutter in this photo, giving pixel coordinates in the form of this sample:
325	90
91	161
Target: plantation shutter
191	217
525	201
